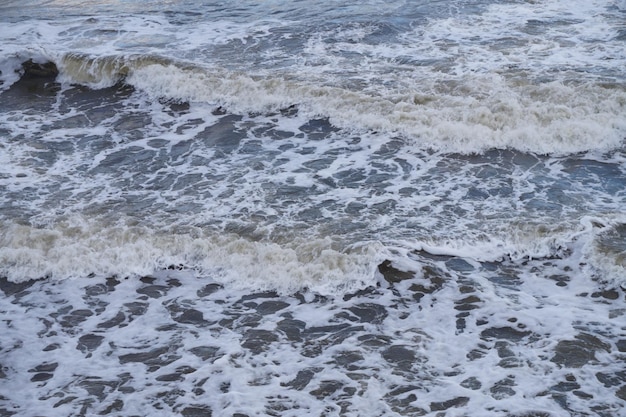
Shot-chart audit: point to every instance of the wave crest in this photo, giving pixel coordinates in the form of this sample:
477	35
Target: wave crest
80	248
467	115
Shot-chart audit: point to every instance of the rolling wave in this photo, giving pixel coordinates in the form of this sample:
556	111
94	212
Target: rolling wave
470	114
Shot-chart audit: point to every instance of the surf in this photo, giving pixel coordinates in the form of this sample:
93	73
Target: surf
471	114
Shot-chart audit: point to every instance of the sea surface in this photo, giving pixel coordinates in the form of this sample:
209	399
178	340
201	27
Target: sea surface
313	208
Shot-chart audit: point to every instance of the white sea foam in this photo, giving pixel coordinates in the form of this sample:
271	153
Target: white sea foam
265	202
82	248
561	35
477	113
309	149
539	79
606	252
502	360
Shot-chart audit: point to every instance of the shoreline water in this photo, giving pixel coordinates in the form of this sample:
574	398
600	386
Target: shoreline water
391	209
173	343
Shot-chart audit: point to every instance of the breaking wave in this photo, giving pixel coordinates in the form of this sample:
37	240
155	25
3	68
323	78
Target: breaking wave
467	114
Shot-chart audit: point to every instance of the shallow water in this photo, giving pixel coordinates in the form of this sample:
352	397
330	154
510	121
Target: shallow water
313	208
458	337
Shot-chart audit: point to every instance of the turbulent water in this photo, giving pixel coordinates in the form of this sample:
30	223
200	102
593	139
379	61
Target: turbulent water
249	208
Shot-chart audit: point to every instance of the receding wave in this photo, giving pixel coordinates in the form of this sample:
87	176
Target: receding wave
467	114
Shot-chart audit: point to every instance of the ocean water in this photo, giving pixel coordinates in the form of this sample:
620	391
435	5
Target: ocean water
313	208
